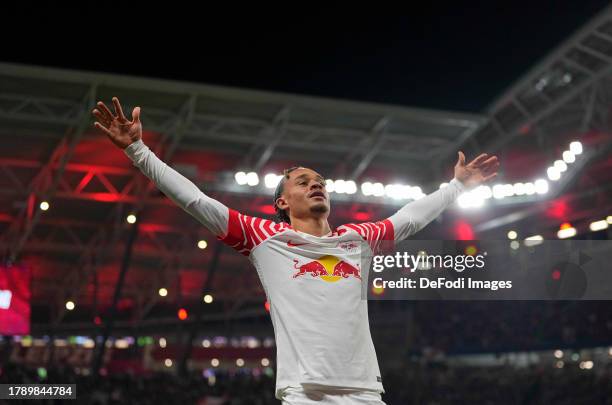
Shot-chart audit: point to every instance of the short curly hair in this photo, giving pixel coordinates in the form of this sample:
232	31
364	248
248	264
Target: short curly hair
281	215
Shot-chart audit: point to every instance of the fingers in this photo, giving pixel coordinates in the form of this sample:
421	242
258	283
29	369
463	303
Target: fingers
101	117
489	171
103	129
488	174
489	161
489	177
489	165
479	160
105	111
118	109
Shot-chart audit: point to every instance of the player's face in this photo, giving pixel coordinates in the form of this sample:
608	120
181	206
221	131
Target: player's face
305	195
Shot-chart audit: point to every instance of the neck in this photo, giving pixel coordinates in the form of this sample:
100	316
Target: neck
311	226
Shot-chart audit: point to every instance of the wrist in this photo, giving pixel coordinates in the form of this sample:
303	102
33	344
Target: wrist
132	149
459	184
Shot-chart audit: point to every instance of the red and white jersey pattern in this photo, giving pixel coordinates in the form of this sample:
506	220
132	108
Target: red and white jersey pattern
245	232
374	232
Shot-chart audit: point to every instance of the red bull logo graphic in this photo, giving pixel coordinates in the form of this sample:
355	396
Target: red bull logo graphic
327	268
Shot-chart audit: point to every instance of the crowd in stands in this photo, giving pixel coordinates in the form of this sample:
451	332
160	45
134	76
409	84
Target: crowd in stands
413	384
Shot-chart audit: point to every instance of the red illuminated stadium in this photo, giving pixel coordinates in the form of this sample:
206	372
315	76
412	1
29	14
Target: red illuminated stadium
102	273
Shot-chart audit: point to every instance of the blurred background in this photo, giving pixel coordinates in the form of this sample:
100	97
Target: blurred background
106	284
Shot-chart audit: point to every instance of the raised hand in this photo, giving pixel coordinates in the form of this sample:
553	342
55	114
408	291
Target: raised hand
118	129
478	171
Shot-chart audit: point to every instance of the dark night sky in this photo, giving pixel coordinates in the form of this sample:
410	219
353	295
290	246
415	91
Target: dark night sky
446	56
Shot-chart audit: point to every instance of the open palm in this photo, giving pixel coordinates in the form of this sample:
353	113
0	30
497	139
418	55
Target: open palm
478	171
119	129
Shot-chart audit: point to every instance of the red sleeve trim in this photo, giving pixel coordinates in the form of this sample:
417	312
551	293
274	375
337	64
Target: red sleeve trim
245	232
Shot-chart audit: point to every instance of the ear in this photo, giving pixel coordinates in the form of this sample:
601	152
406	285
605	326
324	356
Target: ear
282	203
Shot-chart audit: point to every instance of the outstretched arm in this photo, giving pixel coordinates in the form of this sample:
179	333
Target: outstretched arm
415	215
127	135
210	212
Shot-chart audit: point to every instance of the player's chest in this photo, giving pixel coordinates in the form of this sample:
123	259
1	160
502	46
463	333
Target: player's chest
303	260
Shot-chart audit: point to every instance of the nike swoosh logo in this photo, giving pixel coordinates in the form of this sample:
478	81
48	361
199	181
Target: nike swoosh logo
295	244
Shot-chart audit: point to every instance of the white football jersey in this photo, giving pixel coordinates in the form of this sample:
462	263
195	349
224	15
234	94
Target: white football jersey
313	284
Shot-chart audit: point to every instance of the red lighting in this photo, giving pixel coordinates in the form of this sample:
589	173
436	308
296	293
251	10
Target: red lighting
557	209
267	306
105	197
267	209
362	216
84	182
97	320
146	227
125	304
31	201
565	225
556	275
182	314
464	231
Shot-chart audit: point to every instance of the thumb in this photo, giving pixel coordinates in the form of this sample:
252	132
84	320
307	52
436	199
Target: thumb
136	115
461	158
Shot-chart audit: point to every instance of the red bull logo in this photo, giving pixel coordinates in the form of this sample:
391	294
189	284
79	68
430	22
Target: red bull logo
327	268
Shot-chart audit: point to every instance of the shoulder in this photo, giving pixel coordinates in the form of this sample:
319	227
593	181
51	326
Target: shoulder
380	230
245	232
